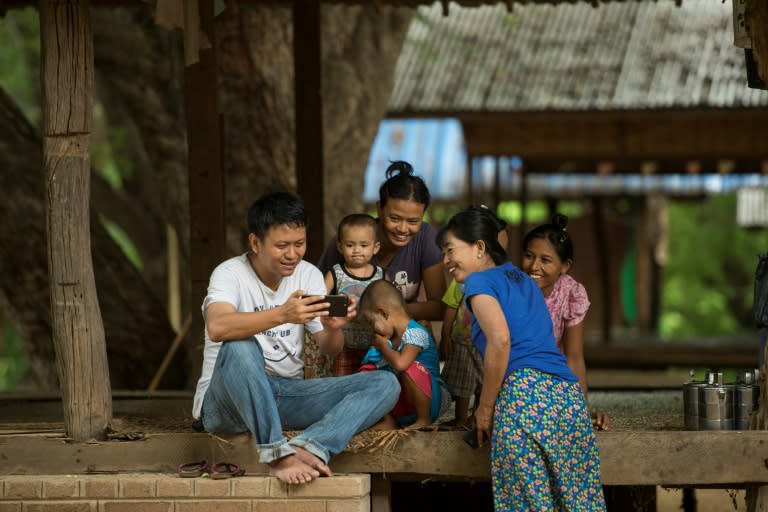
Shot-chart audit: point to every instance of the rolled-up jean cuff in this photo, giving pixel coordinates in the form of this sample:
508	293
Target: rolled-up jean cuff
313	448
269	453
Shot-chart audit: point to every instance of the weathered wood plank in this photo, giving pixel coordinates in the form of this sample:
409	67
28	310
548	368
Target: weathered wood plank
719	133
659	355
728	459
78	331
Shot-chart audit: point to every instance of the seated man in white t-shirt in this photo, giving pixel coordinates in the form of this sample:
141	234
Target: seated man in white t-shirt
257	308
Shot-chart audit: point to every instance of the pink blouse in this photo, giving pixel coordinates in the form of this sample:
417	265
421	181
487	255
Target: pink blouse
568	304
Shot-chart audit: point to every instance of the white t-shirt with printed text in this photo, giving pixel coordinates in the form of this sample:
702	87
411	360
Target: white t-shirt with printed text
235	282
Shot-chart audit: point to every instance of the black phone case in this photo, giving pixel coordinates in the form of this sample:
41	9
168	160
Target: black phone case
339	305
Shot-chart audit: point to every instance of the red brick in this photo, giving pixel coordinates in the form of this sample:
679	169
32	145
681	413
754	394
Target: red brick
212	488
61	487
135	506
137	487
175	487
215	505
289	505
333	487
23	487
277	488
350	505
251	487
99	487
60	506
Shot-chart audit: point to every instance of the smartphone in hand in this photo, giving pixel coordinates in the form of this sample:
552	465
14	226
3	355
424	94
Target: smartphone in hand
339	304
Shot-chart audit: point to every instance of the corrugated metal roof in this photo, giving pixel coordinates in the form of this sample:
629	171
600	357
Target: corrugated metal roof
636	55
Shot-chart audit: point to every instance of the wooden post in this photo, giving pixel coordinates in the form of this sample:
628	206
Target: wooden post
308	86
643	258
78	331
604	264
206	184
496	184
381	494
757	498
523	207
469	180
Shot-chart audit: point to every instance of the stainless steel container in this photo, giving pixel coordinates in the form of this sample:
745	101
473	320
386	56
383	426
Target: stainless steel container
691	390
691	404
716	405
745	398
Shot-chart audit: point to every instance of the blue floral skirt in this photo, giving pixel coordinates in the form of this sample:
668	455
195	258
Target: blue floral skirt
543	451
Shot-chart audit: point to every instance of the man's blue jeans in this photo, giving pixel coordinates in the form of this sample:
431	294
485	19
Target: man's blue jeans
243	398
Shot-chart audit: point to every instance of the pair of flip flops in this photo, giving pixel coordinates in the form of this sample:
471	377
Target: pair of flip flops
218	471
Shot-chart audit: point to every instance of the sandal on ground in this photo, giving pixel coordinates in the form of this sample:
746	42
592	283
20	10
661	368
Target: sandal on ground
222	470
194	469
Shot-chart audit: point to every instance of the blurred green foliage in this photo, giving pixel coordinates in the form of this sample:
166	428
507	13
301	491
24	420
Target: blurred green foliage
13	358
709	278
20	58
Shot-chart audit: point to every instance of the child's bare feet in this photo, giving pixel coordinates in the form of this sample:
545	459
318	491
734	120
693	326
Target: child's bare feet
292	470
419	423
313	461
386	423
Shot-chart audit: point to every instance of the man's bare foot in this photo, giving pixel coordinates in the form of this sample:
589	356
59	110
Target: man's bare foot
292	470
418	424
313	461
386	423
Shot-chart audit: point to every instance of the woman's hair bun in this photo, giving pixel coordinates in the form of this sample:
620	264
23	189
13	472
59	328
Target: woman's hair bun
560	221
399	167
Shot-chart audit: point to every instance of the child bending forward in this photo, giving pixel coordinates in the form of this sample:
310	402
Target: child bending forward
405	347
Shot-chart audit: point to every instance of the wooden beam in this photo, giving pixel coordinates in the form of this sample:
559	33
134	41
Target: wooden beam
206	182
662	355
78	331
308	85
669	458
643	135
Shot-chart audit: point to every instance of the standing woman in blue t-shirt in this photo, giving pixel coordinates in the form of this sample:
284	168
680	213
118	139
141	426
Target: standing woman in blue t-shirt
543	448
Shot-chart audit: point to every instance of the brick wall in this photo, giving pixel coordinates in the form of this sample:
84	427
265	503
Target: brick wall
170	493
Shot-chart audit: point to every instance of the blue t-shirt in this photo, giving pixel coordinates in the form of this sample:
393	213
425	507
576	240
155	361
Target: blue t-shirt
532	342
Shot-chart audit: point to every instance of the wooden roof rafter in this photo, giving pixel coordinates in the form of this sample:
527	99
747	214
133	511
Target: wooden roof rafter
627	137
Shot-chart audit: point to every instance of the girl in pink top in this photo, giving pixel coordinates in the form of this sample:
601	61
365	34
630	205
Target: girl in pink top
547	258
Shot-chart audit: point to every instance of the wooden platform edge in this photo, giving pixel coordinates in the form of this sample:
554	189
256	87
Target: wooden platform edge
628	458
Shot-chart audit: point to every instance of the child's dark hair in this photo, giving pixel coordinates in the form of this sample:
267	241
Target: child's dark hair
357	220
475	224
381	291
402	184
276	209
555	234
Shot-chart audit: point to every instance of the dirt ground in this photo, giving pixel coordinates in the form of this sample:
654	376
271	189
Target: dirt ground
707	500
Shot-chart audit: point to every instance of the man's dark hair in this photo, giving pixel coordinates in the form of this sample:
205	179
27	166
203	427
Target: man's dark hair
276	209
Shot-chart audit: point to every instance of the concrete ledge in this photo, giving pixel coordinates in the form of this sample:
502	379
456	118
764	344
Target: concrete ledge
170	493
148	485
